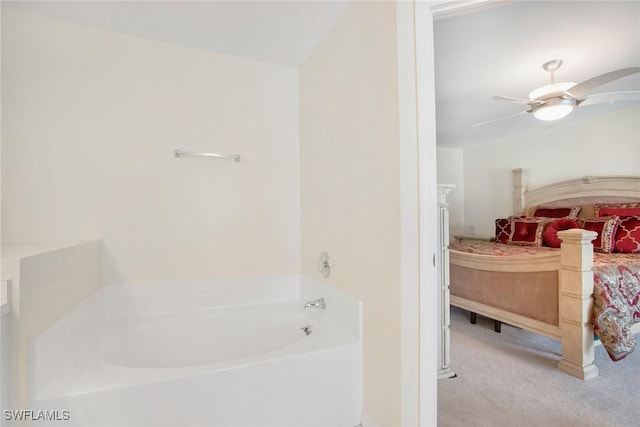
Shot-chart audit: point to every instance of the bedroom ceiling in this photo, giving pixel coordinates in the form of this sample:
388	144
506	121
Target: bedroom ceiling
500	51
492	48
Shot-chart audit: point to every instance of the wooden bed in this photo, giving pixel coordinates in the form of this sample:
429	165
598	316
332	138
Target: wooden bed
550	292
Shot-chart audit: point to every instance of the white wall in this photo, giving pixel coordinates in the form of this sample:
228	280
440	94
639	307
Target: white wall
608	144
451	171
90	122
350	185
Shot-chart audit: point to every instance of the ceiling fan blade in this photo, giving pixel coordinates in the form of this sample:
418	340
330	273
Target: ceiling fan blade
610	97
518	100
498	119
582	89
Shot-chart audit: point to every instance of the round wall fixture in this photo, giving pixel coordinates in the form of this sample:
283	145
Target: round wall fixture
325	265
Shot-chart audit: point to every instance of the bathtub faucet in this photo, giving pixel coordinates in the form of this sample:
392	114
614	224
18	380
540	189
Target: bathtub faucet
316	303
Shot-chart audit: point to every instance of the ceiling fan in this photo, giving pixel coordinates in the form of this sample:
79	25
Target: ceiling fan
556	100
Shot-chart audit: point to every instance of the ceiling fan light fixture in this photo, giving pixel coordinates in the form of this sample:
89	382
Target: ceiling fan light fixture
556	100
554	109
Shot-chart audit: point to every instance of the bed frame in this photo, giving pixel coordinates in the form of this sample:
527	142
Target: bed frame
549	293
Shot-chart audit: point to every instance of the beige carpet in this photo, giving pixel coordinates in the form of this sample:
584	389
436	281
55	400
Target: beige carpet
510	379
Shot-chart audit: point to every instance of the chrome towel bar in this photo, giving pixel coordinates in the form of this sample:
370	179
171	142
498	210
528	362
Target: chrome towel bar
180	153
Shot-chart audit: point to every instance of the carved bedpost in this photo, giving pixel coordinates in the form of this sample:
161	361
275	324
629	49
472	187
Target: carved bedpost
576	303
520	183
444	350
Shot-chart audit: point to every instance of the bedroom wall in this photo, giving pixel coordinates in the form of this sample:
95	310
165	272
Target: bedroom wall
608	144
350	158
90	122
451	171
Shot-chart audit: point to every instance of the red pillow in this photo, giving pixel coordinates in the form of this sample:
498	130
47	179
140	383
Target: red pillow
628	236
526	231
617	209
550	233
558	212
606	228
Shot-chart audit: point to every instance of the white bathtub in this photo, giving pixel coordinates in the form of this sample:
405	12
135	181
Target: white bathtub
244	333
219	352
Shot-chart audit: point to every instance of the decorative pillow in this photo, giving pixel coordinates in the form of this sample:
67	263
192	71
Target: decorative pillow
558	212
503	230
550	233
606	228
628	236
526	231
617	209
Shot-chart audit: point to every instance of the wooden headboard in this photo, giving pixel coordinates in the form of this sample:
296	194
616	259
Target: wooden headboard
583	191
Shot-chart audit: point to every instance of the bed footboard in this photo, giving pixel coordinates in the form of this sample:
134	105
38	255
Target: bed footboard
511	297
550	294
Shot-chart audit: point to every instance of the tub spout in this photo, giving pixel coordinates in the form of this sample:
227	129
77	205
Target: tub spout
316	303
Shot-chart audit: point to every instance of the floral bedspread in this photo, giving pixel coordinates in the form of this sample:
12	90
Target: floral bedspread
616	295
616	292
499	249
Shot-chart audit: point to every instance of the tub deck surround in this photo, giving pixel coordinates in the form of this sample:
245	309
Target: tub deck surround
5	297
149	354
5	309
47	280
